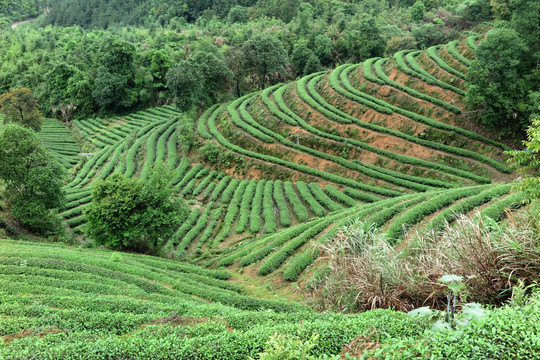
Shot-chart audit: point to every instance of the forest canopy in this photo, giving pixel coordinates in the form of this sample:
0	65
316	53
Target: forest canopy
215	40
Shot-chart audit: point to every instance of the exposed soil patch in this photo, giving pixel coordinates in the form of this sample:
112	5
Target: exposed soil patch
31	332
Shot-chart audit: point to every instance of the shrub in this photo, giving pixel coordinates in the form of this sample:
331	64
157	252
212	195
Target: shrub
129	214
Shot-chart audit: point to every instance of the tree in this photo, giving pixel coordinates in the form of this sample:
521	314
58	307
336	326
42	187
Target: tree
238	14
266	59
300	55
21	107
33	179
312	65
185	82
526	21
496	88
323	49
130	214
115	80
216	75
417	11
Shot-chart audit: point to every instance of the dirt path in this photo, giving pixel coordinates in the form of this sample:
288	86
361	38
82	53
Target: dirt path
19	23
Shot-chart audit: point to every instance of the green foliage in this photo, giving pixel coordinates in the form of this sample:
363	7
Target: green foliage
185	82
265	57
21	108
527	161
417	11
505	333
33	179
131	214
495	84
286	347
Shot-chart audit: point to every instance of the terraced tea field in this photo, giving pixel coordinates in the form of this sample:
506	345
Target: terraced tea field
386	141
68	303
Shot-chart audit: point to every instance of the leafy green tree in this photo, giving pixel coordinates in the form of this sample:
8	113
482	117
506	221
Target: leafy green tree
312	65
266	59
526	21
216	75
21	107
496	88
130	214
417	11
300	55
500	9
115	80
238	14
33	179
323	49
185	82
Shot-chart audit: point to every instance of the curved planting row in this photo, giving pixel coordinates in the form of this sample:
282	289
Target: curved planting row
407	181
434	145
57	138
297	167
407	63
432	52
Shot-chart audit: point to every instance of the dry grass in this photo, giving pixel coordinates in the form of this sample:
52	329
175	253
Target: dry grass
366	272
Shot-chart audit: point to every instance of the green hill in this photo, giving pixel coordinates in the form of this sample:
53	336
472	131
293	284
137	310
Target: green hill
278	171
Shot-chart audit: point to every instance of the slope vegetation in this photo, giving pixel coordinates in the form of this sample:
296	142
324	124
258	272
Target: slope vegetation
386	141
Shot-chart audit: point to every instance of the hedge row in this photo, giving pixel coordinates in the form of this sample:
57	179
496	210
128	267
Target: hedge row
343	76
298	208
232	211
300	262
414	69
466	205
305	193
256	208
338	115
499	166
151	144
284	216
245	207
180	171
399	225
432	52
370	171
214	219
339	196
204	183
188	177
229	191
322	198
162	145
201	123
452	50
273	242
359	195
269	215
201	224
278	257
186	226
317	102
243	124
190	187
497	209
471	42
172	150
286	112
220	187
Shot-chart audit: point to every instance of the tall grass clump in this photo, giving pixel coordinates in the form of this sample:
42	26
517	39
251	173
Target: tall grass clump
365	271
